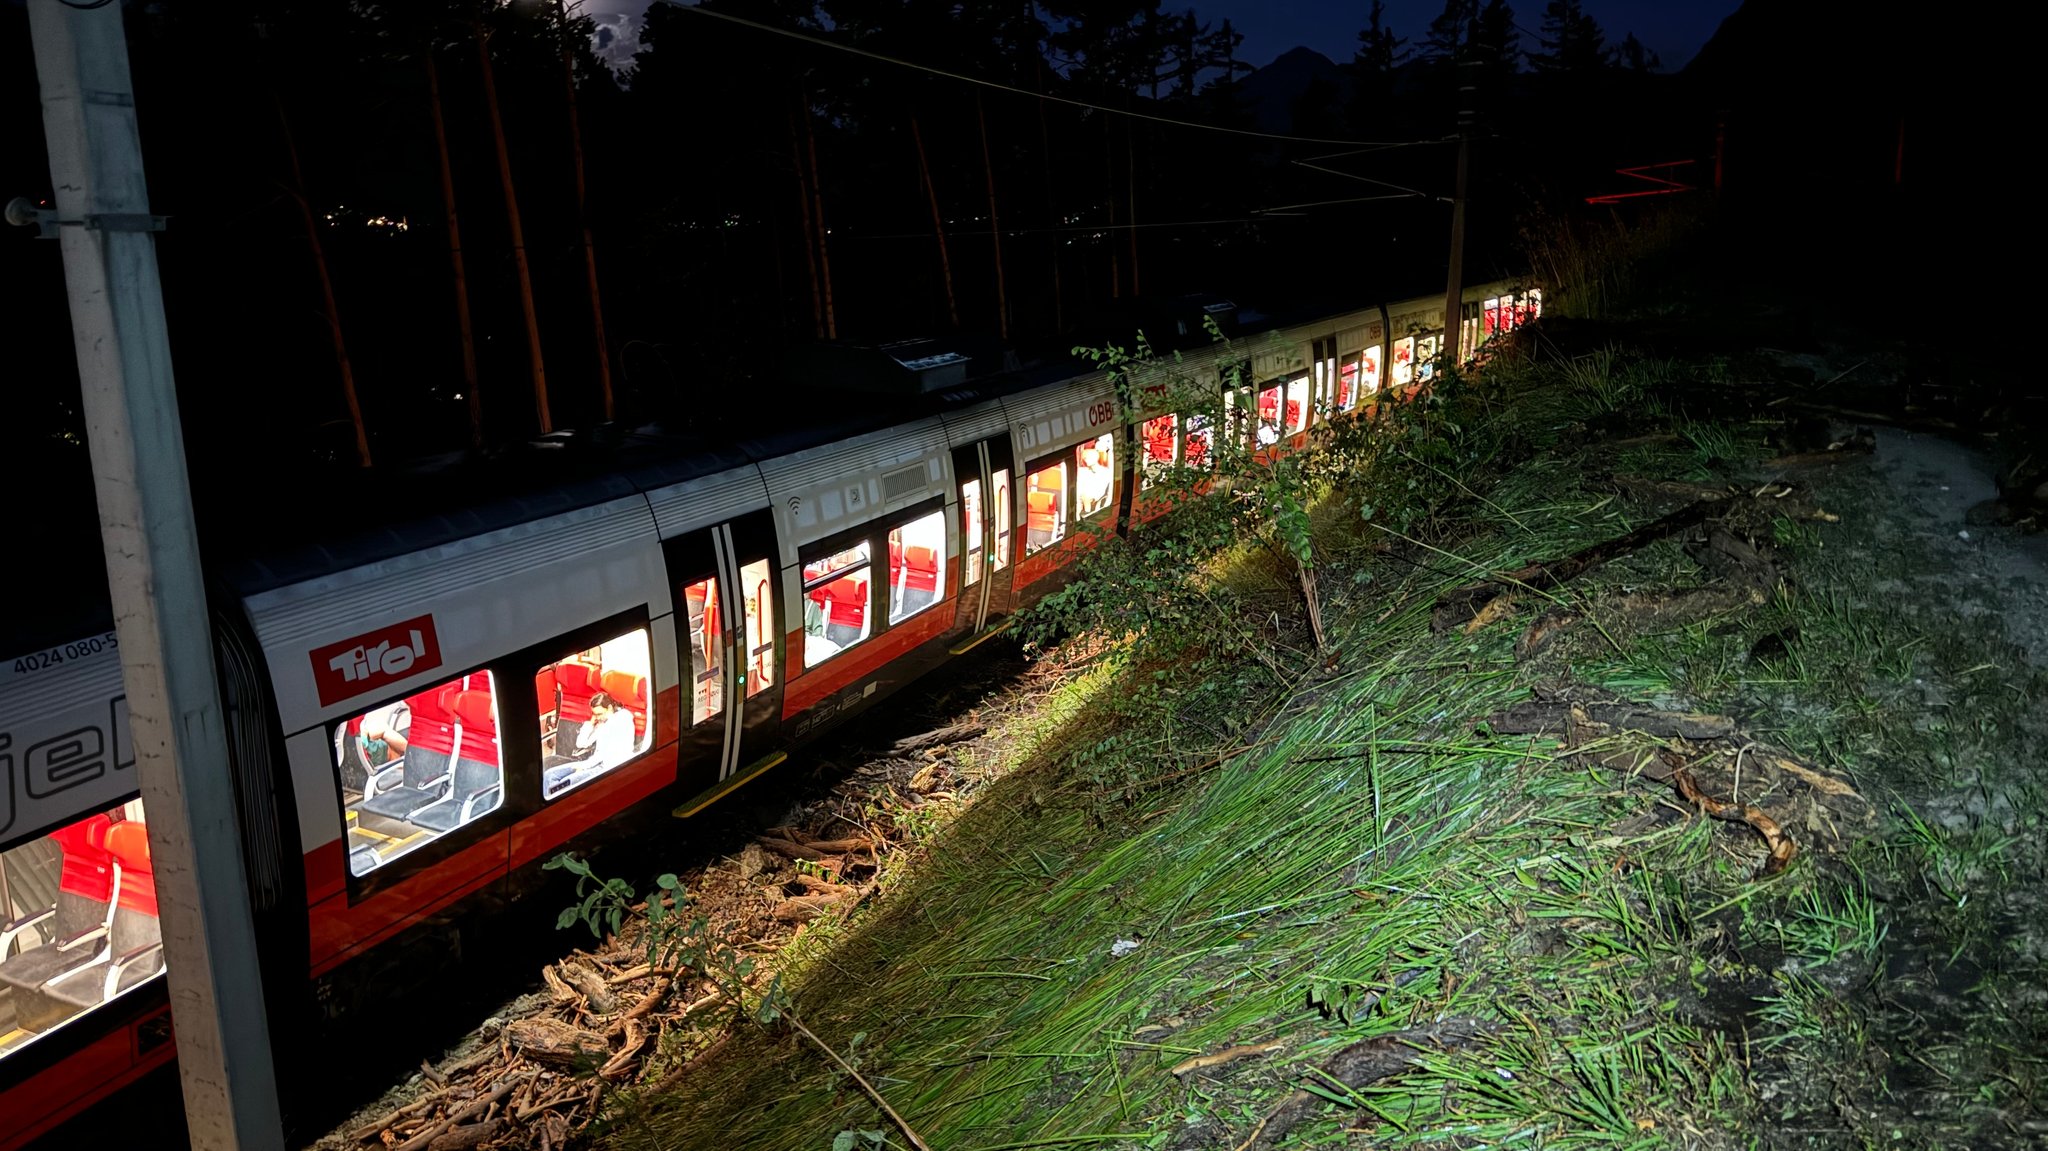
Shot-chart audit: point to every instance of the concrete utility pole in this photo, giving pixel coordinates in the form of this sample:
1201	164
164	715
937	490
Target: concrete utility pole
138	457
1454	289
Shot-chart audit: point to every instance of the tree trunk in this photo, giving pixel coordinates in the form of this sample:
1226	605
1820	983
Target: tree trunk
1131	185
931	191
1116	271
470	390
604	352
818	218
1052	216
348	374
541	407
803	203
995	224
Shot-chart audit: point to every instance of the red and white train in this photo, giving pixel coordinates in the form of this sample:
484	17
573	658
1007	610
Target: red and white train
421	714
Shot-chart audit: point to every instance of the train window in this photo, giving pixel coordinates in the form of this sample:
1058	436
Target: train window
1162	448
1095	475
415	769
1404	361
78	923
1045	507
1535	296
757	592
707	648
836	603
971	527
1425	357
1369	370
1269	416
594	713
1297	409
1347	384
1196	449
1491	309
1003	514
917	565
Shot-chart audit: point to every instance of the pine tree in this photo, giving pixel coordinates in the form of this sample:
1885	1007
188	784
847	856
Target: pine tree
1379	50
1496	44
1571	39
1450	31
1637	58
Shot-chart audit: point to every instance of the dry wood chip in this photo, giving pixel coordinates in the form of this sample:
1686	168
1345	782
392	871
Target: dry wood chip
1227	1055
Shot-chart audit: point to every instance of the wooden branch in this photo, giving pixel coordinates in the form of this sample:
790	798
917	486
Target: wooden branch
901	1125
504	1088
1460	605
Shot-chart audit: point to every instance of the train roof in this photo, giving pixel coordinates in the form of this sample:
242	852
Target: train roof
342	520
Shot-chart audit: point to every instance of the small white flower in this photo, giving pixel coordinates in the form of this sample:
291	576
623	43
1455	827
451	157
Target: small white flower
1122	947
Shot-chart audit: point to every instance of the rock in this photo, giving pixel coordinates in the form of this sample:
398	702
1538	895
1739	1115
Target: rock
753	861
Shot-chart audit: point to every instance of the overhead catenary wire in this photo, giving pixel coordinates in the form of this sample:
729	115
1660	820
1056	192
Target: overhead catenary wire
1258	216
1197	125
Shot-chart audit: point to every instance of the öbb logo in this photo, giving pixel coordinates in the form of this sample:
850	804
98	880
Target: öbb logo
366	662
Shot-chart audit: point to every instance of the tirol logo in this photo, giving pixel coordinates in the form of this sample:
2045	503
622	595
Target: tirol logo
353	666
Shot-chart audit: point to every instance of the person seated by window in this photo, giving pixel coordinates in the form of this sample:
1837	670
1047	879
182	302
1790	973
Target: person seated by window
605	742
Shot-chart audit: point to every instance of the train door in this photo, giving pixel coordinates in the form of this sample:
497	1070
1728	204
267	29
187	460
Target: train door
987	502
730	632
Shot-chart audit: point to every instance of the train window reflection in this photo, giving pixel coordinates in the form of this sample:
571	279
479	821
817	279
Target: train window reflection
1162	447
417	768
1296	411
594	714
1045	507
78	923
917	565
835	603
1003	513
1095	475
707	645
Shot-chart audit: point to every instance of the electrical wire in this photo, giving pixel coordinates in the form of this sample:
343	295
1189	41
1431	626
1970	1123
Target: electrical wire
965	79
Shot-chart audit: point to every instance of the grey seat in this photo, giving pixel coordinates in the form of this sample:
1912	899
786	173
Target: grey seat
475	791
425	780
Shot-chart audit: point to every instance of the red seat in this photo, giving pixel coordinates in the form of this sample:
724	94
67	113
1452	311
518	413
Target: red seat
479	726
546	691
630	692
128	844
87	870
923	565
579	681
845	599
1038	511
433	724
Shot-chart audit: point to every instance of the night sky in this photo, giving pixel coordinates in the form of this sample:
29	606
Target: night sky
1674	29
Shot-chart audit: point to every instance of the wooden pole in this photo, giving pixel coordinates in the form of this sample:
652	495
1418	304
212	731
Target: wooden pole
1454	287
348	373
803	203
931	192
1131	189
604	351
541	407
818	219
994	222
470	390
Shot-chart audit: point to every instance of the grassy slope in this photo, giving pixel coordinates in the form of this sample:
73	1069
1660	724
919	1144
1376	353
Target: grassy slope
1376	858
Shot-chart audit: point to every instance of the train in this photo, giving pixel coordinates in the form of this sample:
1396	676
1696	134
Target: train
430	693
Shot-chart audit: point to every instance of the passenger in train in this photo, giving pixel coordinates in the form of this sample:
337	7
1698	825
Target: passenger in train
605	742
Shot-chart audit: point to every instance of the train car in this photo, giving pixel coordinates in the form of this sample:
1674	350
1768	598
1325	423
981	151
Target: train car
438	687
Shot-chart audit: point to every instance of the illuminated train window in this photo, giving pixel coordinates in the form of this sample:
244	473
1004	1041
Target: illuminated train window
1195	449
1269	416
1369	370
594	708
1347	384
917	565
836	603
1297	409
707	663
1425	357
1161	436
1095	475
78	923
971	511
1404	361
1045	507
417	768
